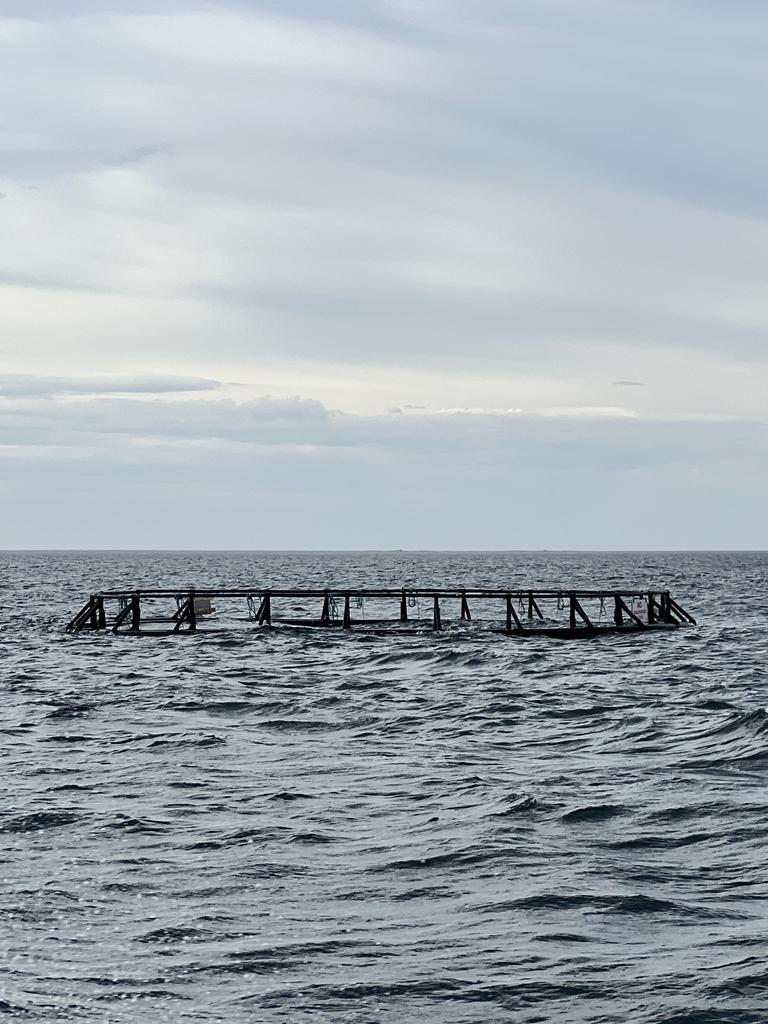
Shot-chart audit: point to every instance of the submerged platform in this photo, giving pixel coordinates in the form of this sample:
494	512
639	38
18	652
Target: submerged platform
528	613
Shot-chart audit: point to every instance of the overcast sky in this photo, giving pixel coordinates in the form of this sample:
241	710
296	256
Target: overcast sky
383	273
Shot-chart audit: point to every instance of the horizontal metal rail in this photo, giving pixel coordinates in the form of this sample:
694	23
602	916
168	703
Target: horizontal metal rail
474	592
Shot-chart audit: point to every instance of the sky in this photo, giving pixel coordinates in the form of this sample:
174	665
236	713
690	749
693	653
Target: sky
383	274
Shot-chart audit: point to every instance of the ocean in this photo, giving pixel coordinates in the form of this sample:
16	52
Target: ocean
291	825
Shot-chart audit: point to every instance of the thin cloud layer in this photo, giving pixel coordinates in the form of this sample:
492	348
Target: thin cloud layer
28	386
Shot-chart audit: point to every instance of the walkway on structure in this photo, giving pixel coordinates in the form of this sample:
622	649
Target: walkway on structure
515	612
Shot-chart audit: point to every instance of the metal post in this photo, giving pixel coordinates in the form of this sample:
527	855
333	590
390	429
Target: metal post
182	614
512	616
680	611
192	614
437	622
122	615
635	618
533	606
325	615
618	614
403	608
466	615
135	612
265	610
347	615
576	609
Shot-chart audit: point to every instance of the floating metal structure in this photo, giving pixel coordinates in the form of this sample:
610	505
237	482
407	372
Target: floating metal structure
514	613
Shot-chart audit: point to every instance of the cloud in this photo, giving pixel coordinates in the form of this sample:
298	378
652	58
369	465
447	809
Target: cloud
317	185
389	204
141	153
605	437
28	386
293	473
62	10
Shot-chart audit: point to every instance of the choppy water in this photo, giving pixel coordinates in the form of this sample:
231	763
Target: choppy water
289	826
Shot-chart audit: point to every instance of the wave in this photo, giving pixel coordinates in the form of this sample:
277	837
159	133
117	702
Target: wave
594	813
635	904
39	821
740	742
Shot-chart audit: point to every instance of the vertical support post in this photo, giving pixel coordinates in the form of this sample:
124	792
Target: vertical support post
530	604
135	612
466	615
512	616
651	608
265	611
403	608
325	615
192	614
618	614
437	622
100	612
572	611
347	613
93	619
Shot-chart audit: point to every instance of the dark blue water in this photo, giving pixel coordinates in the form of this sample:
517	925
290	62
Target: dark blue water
294	825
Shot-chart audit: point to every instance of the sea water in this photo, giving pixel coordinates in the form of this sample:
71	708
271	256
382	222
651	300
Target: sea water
293	825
